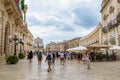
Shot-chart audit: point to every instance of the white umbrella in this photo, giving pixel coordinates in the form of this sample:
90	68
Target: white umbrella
115	48
80	48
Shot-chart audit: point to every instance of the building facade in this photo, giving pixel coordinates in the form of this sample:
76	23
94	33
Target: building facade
110	13
38	44
92	38
51	47
73	43
13	28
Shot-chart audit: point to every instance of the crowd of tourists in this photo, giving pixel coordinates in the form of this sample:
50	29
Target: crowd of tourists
51	57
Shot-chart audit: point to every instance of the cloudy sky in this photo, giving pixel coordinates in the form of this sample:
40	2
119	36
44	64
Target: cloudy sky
58	20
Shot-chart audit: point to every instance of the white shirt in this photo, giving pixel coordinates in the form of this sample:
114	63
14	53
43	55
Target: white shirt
61	55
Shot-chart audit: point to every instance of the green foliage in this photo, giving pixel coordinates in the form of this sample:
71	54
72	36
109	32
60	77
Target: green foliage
21	56
13	59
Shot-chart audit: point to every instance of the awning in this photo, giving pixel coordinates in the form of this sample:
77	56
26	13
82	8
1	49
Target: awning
114	48
98	46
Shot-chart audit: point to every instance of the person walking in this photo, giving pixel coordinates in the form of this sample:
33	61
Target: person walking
30	56
53	58
39	55
87	59
78	57
62	58
49	61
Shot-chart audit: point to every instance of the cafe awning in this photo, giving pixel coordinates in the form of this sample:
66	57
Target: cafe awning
98	46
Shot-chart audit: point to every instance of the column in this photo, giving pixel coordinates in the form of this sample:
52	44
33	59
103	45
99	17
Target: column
0	31
100	41
116	37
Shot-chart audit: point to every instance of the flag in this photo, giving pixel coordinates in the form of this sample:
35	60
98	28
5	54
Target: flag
18	1
22	4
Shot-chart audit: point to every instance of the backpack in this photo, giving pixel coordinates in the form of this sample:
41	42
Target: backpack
39	55
48	57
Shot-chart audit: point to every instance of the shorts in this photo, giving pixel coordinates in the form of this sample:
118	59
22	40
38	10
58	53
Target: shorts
39	59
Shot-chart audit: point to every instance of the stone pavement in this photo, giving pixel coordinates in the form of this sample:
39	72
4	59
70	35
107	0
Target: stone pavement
70	71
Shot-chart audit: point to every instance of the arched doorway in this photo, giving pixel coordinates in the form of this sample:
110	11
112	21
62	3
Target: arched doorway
6	39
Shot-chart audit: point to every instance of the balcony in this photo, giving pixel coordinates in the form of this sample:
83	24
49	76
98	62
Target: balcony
112	40
106	42
105	29
12	6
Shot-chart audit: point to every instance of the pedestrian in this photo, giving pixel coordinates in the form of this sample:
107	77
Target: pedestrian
53	58
87	59
49	61
83	58
78	57
30	56
62	58
39	55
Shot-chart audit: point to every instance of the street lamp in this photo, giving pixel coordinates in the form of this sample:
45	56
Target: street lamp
15	41
20	43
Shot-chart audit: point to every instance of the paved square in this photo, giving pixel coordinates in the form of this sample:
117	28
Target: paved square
72	70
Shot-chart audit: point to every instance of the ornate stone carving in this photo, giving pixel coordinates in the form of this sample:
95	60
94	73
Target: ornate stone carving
105	16
105	29
111	9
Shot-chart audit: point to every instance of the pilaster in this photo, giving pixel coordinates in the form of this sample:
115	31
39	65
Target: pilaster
116	36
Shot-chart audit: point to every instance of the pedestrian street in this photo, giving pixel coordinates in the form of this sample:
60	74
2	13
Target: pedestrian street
72	70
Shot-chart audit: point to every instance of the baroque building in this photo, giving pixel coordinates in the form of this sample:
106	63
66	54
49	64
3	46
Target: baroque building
73	43
14	34
110	13
93	38
38	44
51	47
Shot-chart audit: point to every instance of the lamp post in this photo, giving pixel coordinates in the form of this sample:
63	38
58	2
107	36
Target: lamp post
20	43
15	42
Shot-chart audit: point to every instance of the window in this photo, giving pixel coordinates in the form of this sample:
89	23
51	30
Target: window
113	34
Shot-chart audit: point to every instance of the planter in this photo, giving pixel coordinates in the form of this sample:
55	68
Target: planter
12	59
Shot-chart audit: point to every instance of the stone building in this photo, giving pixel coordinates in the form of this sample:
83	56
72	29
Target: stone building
38	44
93	38
73	43
13	28
51	47
110	13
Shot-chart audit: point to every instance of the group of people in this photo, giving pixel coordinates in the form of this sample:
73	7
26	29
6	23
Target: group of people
50	58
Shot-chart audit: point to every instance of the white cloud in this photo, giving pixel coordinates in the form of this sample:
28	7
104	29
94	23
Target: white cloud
61	11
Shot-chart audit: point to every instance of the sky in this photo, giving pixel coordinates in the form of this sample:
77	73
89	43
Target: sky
58	20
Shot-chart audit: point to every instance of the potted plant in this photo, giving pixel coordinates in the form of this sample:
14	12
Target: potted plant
12	59
21	56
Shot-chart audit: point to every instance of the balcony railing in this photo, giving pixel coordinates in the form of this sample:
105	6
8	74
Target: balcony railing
106	42
112	40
